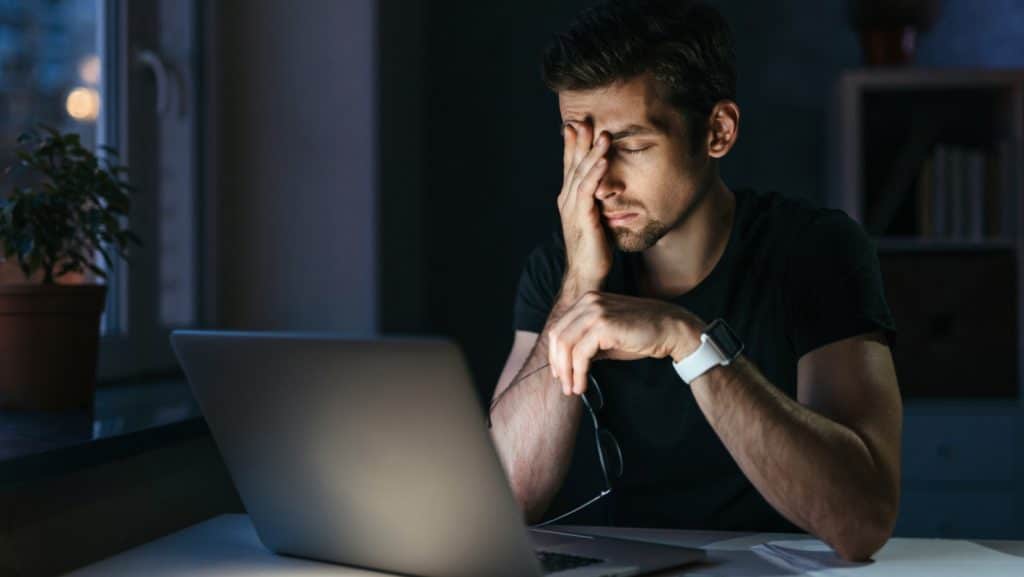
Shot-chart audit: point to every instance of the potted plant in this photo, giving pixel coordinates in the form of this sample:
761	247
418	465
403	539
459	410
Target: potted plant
65	213
889	29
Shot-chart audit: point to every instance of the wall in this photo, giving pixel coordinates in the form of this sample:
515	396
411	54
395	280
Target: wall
493	166
984	34
295	177
490	167
403	82
789	55
493	156
491	153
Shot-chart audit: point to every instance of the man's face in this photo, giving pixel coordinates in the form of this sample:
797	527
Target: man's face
652	173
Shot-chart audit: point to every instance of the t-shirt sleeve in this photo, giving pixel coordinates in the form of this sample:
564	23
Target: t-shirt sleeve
539	284
834	286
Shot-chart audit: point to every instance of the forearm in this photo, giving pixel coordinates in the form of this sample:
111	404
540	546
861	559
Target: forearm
534	425
818	473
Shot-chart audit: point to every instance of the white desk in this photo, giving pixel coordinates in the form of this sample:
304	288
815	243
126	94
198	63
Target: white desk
227	546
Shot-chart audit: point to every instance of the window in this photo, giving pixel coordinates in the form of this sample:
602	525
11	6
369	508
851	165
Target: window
50	72
122	74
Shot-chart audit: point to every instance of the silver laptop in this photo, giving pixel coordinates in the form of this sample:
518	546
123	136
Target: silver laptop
376	454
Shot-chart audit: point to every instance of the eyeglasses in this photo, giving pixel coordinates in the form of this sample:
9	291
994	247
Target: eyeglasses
609	454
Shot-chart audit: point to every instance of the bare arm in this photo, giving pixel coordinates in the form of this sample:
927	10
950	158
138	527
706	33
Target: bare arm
532	423
828	461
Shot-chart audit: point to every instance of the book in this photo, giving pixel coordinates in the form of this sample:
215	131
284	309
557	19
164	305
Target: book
1009	162
955	174
974	190
925	195
993	196
940	164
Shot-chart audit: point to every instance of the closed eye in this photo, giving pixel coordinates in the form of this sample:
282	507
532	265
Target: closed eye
633	150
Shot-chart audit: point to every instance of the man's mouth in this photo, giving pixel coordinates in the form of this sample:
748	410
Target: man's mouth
614	218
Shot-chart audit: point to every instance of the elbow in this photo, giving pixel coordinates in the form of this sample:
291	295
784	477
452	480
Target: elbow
528	493
531	508
522	478
862	547
868	535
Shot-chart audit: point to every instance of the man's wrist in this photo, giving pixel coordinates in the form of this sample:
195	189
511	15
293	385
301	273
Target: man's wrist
685	338
574	286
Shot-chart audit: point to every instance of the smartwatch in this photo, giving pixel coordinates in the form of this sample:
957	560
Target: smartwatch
719	346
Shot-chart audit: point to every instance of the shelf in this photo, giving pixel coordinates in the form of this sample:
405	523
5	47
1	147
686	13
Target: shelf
922	244
950	406
868	79
931	163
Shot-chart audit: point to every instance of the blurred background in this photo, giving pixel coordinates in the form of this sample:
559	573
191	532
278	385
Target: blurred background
384	166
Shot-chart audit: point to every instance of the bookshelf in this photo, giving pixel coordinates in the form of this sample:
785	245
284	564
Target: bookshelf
929	162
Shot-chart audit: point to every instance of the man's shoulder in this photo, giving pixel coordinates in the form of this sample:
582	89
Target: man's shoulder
777	209
809	242
800	220
545	263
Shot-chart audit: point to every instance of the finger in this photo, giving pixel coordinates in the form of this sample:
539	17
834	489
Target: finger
584	138
554	355
581	138
558	358
595	156
580	354
568	164
569	145
558	354
569	338
565	365
588	186
552	343
583	353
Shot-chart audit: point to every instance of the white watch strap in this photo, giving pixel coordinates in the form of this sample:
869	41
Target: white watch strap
700	361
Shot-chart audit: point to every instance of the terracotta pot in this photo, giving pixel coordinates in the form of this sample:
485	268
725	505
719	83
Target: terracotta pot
889	28
889	46
49	341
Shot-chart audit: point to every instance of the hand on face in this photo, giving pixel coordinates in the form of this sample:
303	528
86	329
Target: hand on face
588	253
604	325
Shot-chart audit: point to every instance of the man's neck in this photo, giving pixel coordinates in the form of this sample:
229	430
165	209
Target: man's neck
687	254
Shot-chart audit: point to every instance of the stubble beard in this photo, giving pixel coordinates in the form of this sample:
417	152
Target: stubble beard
653	230
627	240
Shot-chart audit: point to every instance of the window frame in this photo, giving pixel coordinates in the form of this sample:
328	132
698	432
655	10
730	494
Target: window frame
138	345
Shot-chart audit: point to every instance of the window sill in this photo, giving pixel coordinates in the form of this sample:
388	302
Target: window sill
127	419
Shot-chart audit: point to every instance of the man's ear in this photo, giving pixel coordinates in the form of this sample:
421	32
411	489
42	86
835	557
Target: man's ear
723	128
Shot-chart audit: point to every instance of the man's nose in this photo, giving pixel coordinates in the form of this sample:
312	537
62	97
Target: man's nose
609	186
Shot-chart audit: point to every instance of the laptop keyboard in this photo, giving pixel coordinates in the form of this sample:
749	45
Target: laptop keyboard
554	562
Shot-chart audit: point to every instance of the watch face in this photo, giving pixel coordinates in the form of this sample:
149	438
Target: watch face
724	339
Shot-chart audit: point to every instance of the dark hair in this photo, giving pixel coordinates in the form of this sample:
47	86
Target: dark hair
687	46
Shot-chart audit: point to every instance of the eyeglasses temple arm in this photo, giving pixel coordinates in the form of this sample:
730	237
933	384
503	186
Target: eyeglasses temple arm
564	515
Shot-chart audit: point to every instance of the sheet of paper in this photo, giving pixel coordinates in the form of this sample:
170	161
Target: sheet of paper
745	542
802	556
903	557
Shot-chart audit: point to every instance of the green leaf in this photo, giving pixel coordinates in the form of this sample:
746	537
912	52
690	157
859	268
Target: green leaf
71	209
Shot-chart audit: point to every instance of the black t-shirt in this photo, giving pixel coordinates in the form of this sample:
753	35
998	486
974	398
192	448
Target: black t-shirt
793	278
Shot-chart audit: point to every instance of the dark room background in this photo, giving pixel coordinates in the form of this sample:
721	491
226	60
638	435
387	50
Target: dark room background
470	153
386	167
375	167
469	169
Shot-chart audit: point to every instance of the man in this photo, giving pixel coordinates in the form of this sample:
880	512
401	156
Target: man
800	429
